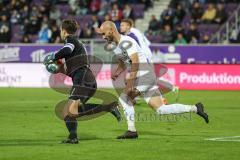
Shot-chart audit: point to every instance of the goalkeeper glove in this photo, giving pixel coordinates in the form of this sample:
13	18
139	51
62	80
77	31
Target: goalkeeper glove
49	59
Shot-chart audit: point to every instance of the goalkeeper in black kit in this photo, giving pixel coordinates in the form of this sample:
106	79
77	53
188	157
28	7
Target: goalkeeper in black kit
77	67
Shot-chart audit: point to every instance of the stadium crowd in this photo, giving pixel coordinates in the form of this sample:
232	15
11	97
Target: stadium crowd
29	21
186	21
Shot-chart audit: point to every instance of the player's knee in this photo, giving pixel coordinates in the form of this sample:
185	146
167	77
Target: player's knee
71	108
132	95
69	119
154	102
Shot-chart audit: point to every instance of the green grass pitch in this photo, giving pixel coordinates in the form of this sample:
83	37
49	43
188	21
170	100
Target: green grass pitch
29	130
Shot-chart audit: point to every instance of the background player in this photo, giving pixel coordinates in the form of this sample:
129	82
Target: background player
131	55
84	84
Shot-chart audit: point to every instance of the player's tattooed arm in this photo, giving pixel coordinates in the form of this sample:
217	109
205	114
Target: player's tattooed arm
120	68
133	73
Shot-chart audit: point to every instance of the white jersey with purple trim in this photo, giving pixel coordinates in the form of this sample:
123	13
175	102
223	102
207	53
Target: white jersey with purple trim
146	78
143	42
126	47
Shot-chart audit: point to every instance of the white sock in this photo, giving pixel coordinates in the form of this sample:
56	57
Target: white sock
176	108
128	112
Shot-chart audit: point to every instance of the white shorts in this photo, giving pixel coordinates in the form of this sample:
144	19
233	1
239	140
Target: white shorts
147	84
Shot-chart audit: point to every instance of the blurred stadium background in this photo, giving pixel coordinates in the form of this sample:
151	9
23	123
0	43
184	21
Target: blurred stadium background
198	40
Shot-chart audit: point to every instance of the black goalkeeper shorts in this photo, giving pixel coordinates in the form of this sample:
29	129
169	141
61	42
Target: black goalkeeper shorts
84	85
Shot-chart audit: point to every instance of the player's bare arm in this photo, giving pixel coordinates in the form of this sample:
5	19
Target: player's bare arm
120	68
130	90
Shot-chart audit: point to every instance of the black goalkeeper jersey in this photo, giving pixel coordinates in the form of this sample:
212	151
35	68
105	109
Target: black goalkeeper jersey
75	55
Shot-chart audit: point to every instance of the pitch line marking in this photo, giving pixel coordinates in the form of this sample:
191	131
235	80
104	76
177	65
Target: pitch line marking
225	139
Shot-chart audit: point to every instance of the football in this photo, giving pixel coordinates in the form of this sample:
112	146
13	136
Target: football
52	68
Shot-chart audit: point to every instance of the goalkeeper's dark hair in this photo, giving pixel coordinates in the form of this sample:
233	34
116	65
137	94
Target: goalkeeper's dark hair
70	25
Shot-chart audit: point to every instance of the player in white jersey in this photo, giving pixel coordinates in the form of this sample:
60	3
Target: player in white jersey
126	27
142	80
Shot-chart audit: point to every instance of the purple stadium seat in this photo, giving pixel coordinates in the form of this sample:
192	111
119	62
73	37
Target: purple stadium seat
138	14
186	20
16	38
87	17
137	6
138	10
36	1
231	6
214	40
150	38
213	27
202	27
16	29
34	38
208	29
155	39
64	9
158	39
